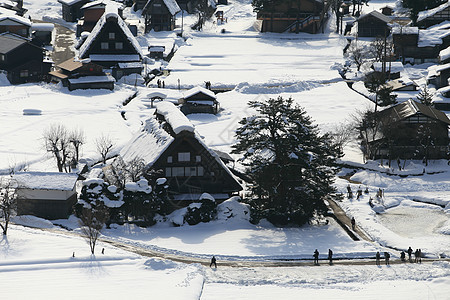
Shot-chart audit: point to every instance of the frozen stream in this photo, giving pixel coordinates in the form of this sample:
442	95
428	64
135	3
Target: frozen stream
412	222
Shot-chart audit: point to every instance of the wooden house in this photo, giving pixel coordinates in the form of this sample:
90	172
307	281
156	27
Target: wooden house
45	195
434	16
168	142
22	61
16	25
42	33
92	12
401	85
199	100
111	42
392	69
159	15
374	24
71	9
76	74
13	8
292	16
411	130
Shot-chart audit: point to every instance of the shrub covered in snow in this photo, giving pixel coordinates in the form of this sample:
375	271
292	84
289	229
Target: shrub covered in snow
204	211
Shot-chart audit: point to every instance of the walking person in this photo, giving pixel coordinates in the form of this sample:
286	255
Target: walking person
416	256
386	257
377	258
410	250
316	257
353	223
420	256
213	262
403	256
330	256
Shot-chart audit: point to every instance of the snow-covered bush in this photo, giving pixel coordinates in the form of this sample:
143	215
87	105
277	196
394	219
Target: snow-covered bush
204	211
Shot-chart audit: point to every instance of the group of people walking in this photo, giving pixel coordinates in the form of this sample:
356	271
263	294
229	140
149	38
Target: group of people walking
316	257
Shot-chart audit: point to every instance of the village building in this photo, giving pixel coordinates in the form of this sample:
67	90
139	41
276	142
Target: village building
16	25
442	100
444	56
159	15
434	16
169	142
199	100
22	60
401	85
374	24
71	9
303	15
411	130
13	8
45	195
112	45
392	69
92	12
417	46
75	74
42	33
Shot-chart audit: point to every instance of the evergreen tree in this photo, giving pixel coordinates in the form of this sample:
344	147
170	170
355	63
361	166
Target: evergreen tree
291	165
425	96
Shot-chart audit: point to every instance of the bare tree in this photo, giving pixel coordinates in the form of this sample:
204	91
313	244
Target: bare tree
357	54
92	220
57	142
77	139
382	48
135	168
368	123
342	134
104	146
8	203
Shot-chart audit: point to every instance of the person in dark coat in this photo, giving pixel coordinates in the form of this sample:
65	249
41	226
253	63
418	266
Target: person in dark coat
410	251
353	223
213	262
316	257
377	258
416	256
419	256
386	257
403	256
330	256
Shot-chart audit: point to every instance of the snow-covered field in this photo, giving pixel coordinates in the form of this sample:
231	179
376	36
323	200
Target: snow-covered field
39	264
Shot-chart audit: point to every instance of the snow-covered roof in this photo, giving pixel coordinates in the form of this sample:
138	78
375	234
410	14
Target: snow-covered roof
102	3
434	35
405	30
444	54
45	180
199	89
440	68
130	65
69	2
111	12
16	19
148	144
422	15
92	79
400	83
42	26
377	15
174	117
394	67
172	6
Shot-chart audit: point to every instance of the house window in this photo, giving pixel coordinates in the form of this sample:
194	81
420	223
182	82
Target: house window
2	57
169	159
168	172
200	171
23	73
178	171
198	158
104	46
119	45
184	156
112	35
190	171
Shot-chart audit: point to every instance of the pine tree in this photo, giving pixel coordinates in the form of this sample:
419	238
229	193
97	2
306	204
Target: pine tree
291	165
425	96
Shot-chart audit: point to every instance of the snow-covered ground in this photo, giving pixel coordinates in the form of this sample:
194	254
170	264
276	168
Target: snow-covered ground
304	67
